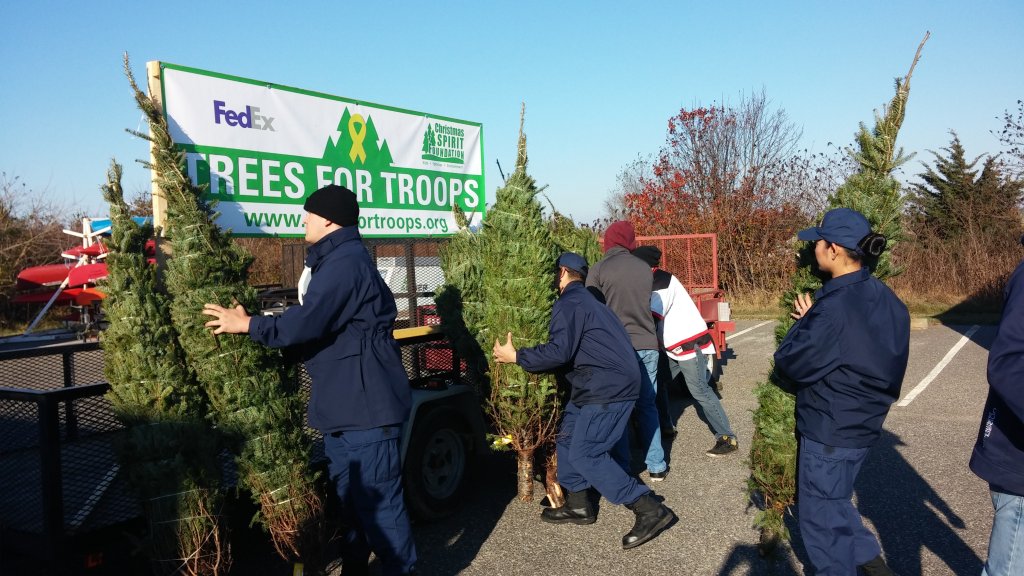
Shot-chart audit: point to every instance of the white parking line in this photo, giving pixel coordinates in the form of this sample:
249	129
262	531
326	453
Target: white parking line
938	367
742	332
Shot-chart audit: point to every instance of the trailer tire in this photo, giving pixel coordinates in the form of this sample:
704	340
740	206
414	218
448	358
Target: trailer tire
436	464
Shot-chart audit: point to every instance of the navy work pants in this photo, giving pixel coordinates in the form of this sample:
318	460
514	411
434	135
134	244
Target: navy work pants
585	441
366	468
833	534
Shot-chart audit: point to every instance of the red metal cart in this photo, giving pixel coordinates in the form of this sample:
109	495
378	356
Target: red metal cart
693	259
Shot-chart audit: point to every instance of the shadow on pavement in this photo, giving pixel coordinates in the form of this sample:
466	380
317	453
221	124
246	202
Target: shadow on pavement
744	559
449	545
908	514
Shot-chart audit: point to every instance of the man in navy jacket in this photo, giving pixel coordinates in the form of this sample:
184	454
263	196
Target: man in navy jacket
587	340
360	394
846	356
999	452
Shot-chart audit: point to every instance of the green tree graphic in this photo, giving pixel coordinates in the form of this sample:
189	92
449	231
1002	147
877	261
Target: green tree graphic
429	140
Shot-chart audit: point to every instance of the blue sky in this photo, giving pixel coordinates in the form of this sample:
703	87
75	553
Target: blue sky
600	79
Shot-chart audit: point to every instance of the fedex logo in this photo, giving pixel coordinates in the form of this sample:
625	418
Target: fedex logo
249	118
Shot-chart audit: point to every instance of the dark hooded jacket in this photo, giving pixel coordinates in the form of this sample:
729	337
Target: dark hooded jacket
625	282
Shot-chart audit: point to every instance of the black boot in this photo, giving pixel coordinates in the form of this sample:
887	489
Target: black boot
876	567
577	510
651	518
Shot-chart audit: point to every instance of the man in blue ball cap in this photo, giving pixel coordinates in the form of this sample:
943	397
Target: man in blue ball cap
589	343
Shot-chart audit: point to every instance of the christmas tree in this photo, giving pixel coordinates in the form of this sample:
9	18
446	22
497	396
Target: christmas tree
874	192
253	393
168	450
500	280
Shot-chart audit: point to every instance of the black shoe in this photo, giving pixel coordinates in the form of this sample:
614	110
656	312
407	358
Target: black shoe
668	433
723	446
876	567
651	518
659	476
576	510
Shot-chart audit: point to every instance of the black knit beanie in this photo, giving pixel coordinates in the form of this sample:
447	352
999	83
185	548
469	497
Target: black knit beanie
649	254
335	203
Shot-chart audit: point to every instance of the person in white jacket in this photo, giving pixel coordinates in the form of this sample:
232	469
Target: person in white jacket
685	338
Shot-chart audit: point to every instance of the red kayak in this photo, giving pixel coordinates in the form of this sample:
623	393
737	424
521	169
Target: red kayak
87	274
52	275
43	298
76	252
45	276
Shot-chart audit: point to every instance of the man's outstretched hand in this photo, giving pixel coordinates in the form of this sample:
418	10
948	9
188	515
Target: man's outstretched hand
504	353
228	320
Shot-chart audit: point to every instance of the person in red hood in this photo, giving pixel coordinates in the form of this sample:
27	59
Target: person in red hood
625	283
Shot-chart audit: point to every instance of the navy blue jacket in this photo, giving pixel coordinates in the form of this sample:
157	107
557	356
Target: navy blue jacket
587	338
345	327
999	452
847	357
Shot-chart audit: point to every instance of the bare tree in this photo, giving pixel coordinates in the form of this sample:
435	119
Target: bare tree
735	171
30	234
1012	136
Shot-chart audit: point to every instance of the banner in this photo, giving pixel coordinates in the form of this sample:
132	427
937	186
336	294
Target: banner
262	148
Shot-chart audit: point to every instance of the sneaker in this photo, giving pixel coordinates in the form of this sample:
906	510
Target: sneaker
659	476
724	445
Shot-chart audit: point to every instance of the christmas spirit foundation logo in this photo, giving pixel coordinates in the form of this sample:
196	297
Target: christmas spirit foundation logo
444	143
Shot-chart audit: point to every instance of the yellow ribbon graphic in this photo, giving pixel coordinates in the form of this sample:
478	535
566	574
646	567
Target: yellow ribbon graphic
357	130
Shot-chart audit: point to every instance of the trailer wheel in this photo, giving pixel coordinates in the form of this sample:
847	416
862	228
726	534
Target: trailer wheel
436	464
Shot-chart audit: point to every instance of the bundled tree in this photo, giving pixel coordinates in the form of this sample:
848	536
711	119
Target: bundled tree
253	393
874	192
568	237
169	451
500	280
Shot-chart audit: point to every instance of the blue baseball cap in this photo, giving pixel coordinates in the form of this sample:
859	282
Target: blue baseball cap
573	261
841	226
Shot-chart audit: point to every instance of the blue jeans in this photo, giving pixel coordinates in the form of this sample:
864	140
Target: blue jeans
1006	545
695	373
586	439
367	471
833	533
647	411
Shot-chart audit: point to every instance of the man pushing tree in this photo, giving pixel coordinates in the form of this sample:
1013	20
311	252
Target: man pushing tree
587	340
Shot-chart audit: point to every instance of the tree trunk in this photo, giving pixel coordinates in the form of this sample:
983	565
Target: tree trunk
768	542
554	489
525	475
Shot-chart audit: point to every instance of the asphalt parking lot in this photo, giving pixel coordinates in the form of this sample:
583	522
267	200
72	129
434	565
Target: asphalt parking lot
931	514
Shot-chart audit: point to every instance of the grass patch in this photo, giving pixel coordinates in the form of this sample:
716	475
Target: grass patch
756	305
945	309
